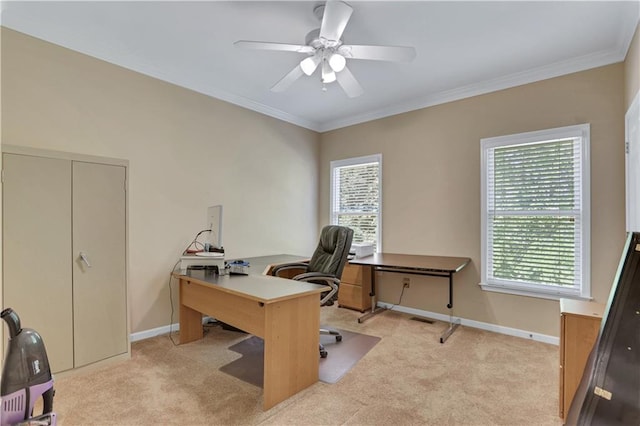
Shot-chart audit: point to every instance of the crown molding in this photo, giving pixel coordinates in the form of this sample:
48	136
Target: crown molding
582	63
557	69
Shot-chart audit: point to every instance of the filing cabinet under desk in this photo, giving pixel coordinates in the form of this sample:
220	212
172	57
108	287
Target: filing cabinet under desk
579	328
355	287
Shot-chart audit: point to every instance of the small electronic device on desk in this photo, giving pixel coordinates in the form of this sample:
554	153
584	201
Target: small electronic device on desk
202	271
238	267
195	260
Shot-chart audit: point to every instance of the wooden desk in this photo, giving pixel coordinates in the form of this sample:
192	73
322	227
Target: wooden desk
265	264
434	266
285	313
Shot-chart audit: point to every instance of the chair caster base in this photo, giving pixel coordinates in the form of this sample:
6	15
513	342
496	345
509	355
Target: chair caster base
323	351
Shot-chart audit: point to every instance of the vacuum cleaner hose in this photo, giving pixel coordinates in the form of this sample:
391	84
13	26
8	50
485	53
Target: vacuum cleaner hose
12	320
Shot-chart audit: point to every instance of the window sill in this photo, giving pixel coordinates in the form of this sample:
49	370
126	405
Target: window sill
530	293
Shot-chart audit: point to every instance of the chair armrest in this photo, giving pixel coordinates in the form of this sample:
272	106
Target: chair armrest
330	280
275	271
307	276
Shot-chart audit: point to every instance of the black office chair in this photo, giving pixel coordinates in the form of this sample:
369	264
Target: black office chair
325	267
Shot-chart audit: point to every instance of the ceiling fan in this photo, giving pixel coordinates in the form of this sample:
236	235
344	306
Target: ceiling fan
326	51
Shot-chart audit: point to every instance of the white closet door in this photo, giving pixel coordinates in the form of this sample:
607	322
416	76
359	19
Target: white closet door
99	262
37	279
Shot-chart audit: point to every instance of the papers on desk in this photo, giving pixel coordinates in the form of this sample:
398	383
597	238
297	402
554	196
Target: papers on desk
209	254
359	250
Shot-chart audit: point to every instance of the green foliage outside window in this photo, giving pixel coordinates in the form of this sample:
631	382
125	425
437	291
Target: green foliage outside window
357	199
532	223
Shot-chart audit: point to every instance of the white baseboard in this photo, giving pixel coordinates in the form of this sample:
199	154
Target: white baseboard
147	334
476	324
141	335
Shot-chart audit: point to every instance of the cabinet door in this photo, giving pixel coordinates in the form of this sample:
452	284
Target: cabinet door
99	262
578	337
36	231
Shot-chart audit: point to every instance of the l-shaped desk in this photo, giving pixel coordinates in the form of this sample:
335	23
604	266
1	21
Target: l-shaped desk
285	313
434	266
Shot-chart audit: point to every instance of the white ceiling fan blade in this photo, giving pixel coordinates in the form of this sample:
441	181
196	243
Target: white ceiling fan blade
262	45
334	20
288	79
349	84
378	53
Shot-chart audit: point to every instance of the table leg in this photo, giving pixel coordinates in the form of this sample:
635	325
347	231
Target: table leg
374	309
449	331
291	356
450	304
452	324
190	319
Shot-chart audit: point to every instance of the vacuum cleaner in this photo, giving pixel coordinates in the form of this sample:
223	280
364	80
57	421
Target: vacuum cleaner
26	377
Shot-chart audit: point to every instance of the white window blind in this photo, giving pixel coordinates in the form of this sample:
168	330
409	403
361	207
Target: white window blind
535	212
356	197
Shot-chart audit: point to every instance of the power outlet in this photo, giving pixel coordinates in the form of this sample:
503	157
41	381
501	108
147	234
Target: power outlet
406	282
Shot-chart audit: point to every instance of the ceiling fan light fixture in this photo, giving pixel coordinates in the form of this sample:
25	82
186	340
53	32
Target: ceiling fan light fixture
337	62
328	76
325	49
310	64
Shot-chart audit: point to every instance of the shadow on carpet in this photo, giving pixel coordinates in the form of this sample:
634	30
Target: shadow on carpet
342	357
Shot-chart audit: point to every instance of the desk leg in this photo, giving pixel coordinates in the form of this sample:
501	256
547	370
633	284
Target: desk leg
291	339
449	331
450	304
452	324
190	319
374	309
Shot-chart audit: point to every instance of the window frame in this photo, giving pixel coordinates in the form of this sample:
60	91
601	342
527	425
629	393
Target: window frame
355	161
541	290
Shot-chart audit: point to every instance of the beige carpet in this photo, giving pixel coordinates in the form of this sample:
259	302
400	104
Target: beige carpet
408	378
344	355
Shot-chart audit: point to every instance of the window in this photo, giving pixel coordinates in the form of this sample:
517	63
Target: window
356	197
535	213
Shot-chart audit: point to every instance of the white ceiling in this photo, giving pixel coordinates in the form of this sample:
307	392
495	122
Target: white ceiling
463	48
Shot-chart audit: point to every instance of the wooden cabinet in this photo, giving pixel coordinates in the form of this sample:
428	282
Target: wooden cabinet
355	286
579	328
64	254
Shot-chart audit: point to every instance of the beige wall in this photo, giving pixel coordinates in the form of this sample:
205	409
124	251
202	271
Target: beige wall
431	186
632	69
186	151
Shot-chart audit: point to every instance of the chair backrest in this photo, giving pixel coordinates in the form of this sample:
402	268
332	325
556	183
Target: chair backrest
333	248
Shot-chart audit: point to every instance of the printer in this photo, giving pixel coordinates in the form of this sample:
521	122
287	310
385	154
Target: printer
359	250
201	259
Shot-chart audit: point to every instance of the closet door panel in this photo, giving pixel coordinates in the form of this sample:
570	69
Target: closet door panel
99	264
37	276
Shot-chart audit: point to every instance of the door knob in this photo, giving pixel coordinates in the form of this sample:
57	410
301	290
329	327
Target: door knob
85	259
